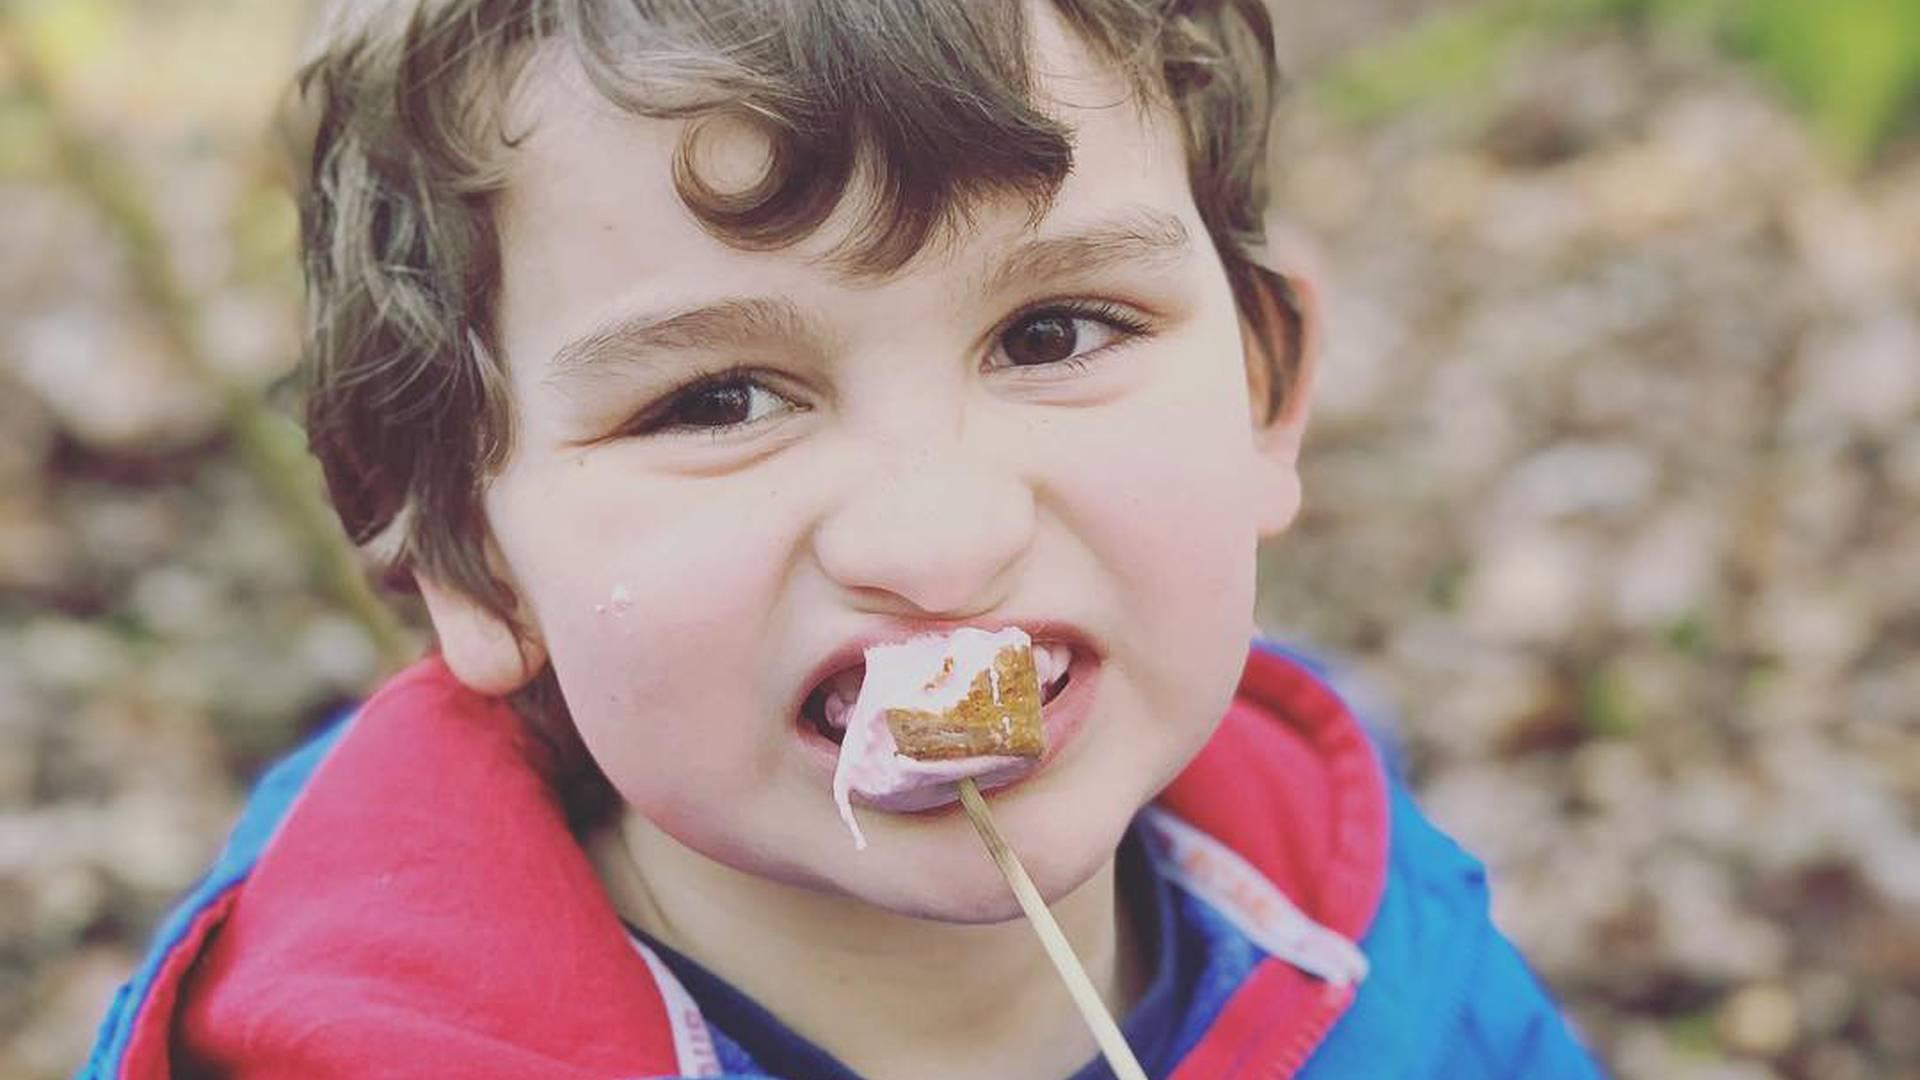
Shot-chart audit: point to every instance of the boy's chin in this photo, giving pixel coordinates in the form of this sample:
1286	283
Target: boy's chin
972	904
956	881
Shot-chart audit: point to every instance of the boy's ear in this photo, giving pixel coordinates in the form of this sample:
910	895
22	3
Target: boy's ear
478	645
1284	345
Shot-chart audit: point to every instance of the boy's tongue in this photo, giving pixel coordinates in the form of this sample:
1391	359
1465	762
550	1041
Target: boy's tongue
841	693
931	712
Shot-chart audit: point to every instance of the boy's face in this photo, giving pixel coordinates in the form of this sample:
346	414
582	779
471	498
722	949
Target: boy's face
1044	426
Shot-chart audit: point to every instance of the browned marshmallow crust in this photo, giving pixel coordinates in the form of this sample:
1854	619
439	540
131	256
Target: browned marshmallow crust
977	725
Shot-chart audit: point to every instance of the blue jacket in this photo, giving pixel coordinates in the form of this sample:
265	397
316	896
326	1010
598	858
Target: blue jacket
401	897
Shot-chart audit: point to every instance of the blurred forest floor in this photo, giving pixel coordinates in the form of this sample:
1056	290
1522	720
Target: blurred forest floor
1612	499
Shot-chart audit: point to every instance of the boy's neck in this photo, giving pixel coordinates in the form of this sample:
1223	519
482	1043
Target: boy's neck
885	994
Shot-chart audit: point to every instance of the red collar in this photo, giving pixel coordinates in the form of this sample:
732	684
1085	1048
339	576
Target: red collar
1291	783
423	899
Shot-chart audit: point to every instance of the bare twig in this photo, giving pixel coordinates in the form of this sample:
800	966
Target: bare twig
265	442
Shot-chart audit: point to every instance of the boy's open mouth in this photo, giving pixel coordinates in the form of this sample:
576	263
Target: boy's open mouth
826	708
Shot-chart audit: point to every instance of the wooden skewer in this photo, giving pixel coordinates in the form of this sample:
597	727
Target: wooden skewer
1105	1032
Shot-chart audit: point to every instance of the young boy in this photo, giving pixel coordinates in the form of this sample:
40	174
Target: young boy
680	351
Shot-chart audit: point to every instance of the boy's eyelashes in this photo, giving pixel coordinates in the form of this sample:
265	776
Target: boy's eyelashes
1052	334
1044	340
713	404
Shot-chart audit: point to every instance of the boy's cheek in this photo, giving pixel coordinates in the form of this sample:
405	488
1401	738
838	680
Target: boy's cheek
1180	540
1175	494
638	609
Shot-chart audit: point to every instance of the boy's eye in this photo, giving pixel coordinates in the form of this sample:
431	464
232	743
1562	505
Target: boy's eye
1064	334
714	405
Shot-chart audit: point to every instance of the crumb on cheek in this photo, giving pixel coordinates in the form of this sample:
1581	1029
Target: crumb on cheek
617	603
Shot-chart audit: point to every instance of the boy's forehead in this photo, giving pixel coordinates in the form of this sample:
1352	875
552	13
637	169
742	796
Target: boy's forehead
555	104
592	181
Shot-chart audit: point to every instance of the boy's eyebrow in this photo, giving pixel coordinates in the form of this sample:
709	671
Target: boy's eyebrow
1140	235
731	321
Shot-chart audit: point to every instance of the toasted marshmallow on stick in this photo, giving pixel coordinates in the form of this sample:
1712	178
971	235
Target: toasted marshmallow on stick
933	711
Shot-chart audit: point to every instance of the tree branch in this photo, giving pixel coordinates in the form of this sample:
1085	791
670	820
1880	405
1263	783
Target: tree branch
268	445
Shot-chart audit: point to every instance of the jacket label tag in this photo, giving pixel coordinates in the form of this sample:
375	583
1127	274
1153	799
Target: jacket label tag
692	1039
1245	897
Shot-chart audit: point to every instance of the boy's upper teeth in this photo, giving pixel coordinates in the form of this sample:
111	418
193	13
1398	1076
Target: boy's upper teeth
1050	660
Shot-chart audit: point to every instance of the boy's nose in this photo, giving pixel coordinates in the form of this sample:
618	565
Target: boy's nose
934	537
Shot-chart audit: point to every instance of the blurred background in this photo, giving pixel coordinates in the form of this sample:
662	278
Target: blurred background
1612	492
